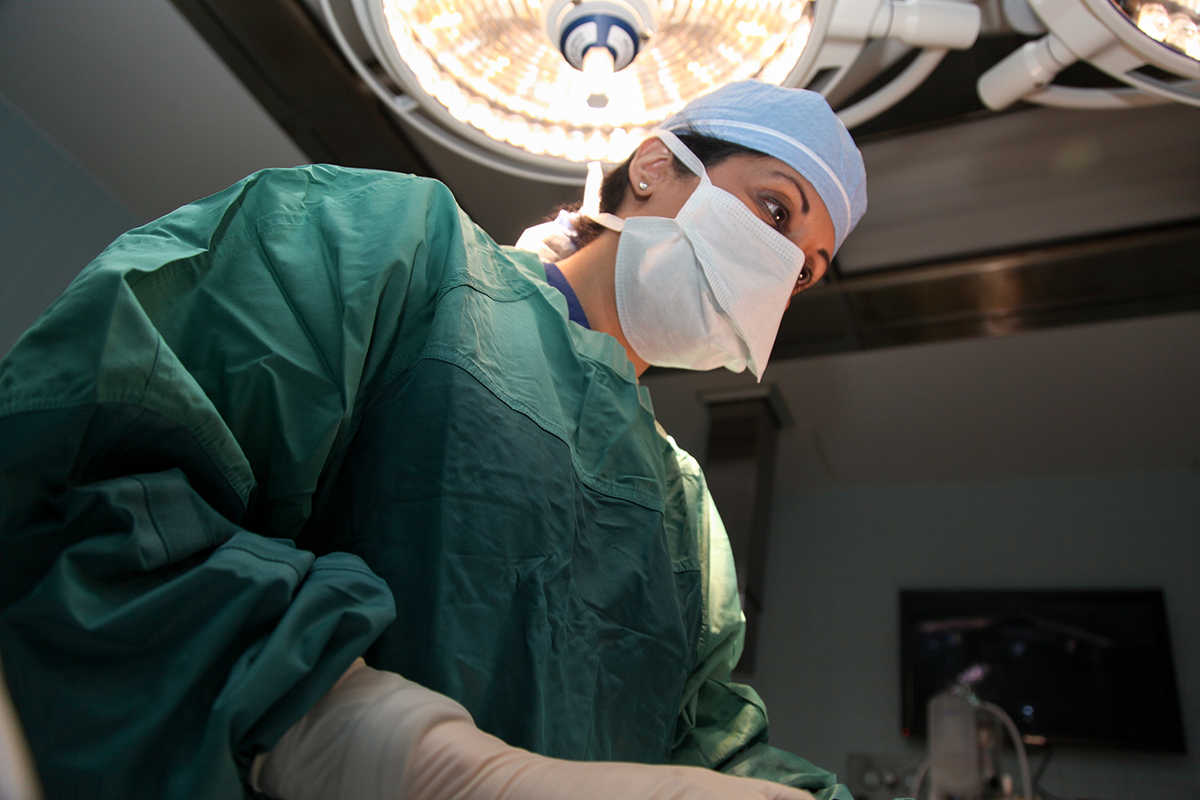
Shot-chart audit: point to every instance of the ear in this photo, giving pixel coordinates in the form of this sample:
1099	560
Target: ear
651	164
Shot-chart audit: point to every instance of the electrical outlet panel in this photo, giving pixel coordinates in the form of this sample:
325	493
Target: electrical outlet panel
881	776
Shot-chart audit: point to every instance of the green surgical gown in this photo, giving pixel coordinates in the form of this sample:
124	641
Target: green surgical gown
319	415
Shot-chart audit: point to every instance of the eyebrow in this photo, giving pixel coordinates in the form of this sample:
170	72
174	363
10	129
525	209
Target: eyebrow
803	197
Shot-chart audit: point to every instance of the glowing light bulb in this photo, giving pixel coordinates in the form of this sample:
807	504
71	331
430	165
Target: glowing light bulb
491	66
446	20
1184	35
1154	21
494	126
620	145
618	141
576	146
598	69
478	114
516	130
536	143
597	146
556	141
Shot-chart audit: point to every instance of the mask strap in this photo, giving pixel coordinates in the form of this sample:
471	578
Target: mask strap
679	150
591	200
595	176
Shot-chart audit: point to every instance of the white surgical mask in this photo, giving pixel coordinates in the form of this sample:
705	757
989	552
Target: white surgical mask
708	288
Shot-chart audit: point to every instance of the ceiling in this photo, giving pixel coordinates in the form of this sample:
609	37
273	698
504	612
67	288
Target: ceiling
1053	223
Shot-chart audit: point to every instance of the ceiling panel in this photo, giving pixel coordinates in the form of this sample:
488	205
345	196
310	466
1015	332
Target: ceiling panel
1010	181
136	96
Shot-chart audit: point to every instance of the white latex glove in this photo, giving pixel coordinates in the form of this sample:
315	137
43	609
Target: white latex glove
377	735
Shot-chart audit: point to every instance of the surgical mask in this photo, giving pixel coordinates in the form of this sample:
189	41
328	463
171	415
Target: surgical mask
708	288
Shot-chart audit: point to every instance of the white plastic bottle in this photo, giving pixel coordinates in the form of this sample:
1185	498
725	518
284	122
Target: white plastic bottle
954	766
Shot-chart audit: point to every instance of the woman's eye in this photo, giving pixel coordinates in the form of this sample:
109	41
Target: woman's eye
779	214
804	279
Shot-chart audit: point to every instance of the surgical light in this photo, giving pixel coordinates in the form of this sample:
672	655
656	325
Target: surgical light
1153	46
1173	24
540	87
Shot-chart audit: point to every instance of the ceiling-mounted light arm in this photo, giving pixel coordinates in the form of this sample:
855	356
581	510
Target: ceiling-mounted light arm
493	87
1101	33
1148	50
928	23
1027	72
935	25
1030	67
897	89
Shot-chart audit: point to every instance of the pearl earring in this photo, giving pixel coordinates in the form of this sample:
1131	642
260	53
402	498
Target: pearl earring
643	186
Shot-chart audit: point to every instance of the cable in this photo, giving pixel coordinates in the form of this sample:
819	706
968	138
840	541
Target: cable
1076	97
1047	751
1186	91
896	90
1022	761
1051	795
921	773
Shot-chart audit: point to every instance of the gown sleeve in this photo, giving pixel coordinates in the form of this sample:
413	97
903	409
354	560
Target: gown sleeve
722	724
163	428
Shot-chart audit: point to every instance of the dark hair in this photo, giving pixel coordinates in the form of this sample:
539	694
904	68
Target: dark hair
710	150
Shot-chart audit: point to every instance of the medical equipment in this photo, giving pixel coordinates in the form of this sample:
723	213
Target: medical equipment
954	755
538	91
1091	667
963	761
1153	46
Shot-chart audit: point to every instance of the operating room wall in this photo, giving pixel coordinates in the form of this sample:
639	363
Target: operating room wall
1064	457
54	218
829	665
112	113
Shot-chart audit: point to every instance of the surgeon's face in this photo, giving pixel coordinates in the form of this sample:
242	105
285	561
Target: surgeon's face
772	189
783	199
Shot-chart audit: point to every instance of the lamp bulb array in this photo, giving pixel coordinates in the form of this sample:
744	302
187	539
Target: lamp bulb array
499	66
1175	24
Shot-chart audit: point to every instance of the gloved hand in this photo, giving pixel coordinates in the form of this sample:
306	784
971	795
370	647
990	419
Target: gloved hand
376	735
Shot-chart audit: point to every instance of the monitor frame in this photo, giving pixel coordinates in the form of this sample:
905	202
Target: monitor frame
917	604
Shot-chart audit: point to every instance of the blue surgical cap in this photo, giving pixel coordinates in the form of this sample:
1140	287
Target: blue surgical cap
794	125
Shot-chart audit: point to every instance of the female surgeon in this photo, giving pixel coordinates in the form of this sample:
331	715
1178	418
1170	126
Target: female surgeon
285	445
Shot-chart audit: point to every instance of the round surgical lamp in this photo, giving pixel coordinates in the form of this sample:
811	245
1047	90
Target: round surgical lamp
538	88
1153	46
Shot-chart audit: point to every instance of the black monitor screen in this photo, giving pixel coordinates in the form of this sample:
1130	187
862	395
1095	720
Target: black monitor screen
1075	667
